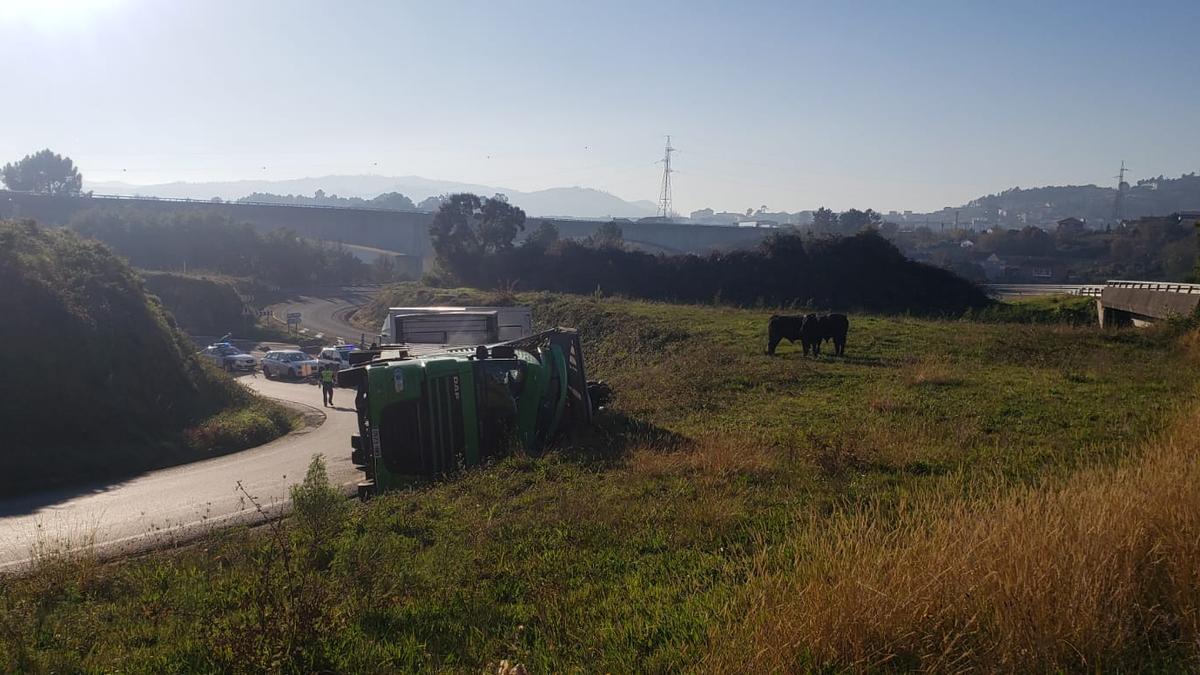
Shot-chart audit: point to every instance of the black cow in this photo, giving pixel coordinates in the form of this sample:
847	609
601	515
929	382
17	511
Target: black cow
811	334
783	327
835	327
810	330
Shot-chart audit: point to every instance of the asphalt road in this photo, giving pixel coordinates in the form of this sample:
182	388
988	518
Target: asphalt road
178	503
324	313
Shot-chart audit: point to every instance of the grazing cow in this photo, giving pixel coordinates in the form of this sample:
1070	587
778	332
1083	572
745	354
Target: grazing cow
811	334
781	328
834	327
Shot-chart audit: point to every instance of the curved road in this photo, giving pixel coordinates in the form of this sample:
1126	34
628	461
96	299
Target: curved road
174	504
324	313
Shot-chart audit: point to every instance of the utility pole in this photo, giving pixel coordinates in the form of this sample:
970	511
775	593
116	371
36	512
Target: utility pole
1119	204
664	195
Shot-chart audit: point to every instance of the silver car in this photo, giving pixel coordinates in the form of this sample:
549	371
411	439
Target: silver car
225	355
291	363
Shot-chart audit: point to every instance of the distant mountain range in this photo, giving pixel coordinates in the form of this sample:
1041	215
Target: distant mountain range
577	202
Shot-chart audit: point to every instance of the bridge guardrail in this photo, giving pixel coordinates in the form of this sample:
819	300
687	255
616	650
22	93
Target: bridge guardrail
1163	286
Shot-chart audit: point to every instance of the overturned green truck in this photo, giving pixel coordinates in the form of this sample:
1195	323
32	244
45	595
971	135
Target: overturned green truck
431	414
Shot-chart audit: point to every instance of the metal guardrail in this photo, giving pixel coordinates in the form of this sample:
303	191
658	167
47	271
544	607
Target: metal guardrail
1092	290
234	202
1162	286
1019	290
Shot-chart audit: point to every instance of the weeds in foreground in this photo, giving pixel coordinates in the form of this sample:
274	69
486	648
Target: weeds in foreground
286	606
1098	573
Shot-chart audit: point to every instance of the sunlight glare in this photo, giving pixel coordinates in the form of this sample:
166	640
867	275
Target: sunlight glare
53	13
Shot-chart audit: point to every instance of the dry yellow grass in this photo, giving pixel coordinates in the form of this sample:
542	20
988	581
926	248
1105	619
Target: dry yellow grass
931	371
1100	573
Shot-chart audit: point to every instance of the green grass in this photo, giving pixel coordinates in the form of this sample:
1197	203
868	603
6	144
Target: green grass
1070	309
628	548
257	422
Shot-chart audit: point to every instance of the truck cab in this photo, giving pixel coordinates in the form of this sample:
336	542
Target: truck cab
434	414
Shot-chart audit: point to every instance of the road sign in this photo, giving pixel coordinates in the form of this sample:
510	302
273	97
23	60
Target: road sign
293	317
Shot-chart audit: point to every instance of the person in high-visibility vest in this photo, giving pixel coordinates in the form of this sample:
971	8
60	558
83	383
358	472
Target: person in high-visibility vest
327	385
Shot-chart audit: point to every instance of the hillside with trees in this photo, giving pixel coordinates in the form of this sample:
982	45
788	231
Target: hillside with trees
1147	197
106	384
191	240
473	240
393	201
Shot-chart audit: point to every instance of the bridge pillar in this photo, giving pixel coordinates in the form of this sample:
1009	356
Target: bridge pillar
1110	317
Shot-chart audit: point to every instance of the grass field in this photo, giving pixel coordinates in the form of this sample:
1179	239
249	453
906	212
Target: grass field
720	516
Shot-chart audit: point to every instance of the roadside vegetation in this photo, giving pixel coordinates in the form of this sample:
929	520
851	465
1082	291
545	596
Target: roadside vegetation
941	498
473	239
201	305
1075	310
101	382
193	240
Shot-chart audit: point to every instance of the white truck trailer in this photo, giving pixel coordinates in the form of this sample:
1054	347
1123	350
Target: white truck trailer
460	326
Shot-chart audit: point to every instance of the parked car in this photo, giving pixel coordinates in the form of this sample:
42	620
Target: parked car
229	357
291	363
338	357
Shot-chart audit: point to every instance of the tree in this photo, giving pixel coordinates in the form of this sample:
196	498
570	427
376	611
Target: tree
499	223
467	227
544	236
608	235
43	172
824	220
393	200
432	203
854	221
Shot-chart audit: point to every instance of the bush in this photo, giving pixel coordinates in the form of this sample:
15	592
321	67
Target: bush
1069	309
862	272
239	428
200	305
319	510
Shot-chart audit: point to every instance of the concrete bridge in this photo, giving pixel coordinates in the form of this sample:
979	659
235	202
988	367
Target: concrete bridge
404	232
1142	302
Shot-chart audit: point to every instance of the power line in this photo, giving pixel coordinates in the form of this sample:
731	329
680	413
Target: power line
1119	203
664	195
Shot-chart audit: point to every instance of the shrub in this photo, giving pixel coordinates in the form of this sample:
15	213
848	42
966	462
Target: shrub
319	510
863	272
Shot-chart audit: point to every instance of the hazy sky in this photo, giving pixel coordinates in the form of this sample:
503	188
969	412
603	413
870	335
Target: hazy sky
892	105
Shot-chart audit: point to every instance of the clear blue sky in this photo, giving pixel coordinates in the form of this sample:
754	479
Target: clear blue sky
892	105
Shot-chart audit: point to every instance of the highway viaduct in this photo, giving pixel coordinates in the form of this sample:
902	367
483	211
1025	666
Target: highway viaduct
404	232
1119	302
1143	302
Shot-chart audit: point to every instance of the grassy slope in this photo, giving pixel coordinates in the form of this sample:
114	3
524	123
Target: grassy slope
106	384
631	548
